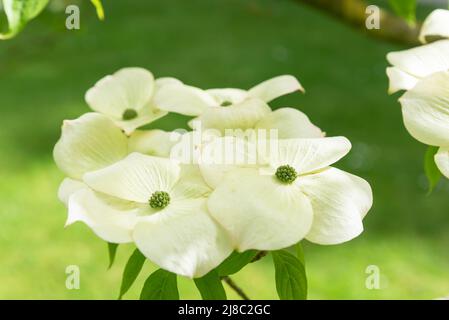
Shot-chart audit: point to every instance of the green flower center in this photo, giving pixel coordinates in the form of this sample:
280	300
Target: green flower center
286	174
129	114
226	103
159	200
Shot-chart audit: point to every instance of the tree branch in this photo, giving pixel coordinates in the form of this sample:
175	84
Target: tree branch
353	12
235	287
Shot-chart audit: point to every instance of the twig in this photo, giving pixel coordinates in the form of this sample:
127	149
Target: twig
353	12
235	287
259	256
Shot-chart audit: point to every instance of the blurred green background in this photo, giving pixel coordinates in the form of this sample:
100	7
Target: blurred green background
45	71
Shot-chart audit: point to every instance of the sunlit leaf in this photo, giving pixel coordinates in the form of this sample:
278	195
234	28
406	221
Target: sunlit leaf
300	253
235	262
99	7
160	285
18	13
405	9
290	275
132	270
433	174
112	249
211	287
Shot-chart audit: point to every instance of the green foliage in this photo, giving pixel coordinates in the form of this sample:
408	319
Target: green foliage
19	12
235	262
211	287
112	249
405	9
132	270
433	174
300	254
160	285
290	275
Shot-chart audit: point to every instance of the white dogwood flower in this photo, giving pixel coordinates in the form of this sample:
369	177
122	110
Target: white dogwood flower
423	72
159	205
425	109
127	97
93	141
294	195
411	66
193	101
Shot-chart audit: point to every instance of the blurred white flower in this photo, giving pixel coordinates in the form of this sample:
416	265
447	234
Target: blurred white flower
423	73
435	26
425	109
411	66
290	195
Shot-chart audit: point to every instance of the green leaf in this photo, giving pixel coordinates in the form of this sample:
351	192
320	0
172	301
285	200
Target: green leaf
290	275
433	174
19	12
99	7
112	249
160	285
235	262
300	254
405	9
132	270
210	286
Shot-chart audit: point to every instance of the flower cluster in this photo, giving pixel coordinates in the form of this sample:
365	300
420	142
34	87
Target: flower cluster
130	185
424	73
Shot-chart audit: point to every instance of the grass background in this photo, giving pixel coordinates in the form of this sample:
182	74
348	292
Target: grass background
45	72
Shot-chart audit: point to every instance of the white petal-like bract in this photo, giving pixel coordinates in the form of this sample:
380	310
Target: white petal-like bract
400	80
89	143
422	61
135	178
111	219
275	87
260	213
183	239
340	201
442	160
436	26
289	123
425	109
309	155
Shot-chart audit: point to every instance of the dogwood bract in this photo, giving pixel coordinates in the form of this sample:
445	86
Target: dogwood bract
192	101
128	185
423	72
93	142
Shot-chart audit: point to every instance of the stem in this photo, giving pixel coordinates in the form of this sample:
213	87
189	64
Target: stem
259	256
235	287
